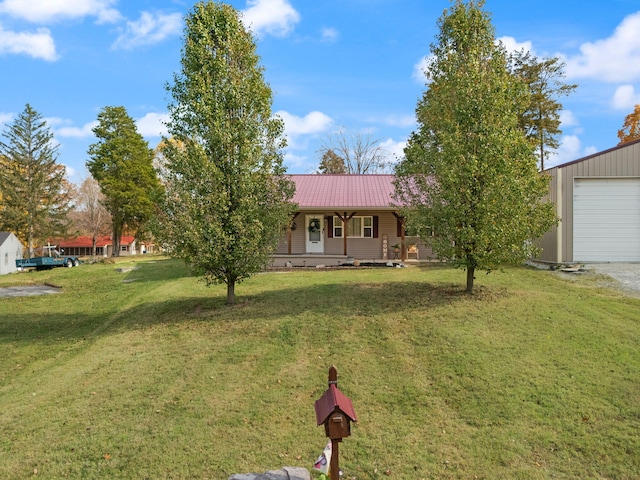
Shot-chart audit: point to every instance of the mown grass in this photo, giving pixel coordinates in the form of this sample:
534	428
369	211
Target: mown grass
147	374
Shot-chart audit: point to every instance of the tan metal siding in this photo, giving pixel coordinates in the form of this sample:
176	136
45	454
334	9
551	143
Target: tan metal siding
623	161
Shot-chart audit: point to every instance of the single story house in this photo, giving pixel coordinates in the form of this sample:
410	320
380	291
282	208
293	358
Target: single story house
342	218
11	249
597	199
82	246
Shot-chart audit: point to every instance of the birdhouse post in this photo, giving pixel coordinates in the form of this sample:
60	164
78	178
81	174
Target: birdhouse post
335	411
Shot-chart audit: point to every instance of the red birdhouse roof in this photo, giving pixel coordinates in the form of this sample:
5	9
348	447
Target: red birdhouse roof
331	400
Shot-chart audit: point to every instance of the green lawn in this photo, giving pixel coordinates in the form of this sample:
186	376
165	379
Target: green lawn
147	374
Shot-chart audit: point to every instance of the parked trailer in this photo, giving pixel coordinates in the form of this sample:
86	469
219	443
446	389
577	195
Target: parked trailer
46	262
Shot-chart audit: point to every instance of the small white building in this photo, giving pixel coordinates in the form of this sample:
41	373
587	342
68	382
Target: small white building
10	250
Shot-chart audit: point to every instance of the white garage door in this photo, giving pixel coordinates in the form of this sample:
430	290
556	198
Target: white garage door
606	219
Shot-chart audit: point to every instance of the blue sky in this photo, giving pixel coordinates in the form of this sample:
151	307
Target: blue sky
332	64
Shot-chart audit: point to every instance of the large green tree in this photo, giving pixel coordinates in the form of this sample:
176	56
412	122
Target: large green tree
227	198
541	118
122	163
35	191
469	173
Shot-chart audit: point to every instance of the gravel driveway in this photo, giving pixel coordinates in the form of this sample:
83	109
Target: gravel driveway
626	274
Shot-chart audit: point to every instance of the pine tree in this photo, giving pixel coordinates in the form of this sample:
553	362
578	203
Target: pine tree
35	191
122	163
541	118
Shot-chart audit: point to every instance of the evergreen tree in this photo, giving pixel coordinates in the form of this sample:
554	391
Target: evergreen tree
541	118
331	163
122	163
470	174
227	199
35	190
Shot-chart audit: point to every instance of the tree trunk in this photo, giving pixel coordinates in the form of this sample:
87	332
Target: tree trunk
470	277
116	241
231	292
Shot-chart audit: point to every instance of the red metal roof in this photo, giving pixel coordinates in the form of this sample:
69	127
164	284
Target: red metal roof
343	191
330	400
85	241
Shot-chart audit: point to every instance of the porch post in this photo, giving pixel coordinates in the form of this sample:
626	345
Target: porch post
289	232
345	219
344	233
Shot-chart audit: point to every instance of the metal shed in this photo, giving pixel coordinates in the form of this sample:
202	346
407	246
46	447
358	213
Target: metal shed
597	199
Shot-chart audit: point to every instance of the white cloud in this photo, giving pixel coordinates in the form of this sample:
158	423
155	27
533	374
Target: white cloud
568	119
275	17
77	132
400	120
329	34
5	118
45	11
420	68
396	149
613	59
148	30
314	122
294	161
570	149
38	44
70	171
625	98
512	45
153	124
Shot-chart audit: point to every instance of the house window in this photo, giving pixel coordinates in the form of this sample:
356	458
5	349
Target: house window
356	227
6	259
124	248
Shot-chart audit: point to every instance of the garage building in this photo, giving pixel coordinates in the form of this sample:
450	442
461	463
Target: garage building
597	199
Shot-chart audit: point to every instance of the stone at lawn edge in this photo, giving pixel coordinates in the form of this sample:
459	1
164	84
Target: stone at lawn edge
286	473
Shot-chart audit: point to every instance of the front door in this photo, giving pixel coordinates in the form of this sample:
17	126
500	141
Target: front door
315	239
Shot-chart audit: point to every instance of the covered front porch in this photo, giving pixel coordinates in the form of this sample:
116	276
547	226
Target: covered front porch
319	260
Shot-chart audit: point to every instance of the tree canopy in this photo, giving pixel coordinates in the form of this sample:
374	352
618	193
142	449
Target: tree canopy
360	153
122	163
541	117
631	127
34	187
470	174
227	198
90	215
331	163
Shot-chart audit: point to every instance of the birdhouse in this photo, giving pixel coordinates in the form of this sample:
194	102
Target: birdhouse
334	410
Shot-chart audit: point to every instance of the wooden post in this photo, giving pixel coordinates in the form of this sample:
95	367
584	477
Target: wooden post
335	411
334	466
334	470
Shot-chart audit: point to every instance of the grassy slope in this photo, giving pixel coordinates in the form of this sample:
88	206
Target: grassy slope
534	377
